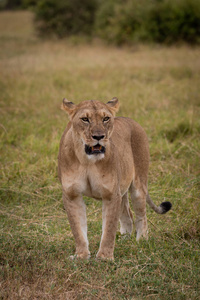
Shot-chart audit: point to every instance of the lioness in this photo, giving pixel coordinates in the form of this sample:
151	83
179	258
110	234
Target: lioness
104	157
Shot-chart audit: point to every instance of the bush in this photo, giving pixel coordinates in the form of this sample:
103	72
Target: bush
121	21
17	4
65	17
163	21
171	21
10	4
29	4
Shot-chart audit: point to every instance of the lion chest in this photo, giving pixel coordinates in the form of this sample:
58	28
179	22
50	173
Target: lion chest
99	185
88	182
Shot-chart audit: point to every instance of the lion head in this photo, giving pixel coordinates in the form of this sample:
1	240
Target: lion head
92	124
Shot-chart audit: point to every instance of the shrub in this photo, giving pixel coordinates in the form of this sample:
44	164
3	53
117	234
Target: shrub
10	4
17	4
171	21
120	21
65	17
163	21
29	3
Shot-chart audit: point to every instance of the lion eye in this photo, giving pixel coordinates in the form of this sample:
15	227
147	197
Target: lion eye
106	119
86	120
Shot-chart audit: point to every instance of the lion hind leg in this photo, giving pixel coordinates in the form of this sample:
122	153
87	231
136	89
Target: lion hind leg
138	197
126	216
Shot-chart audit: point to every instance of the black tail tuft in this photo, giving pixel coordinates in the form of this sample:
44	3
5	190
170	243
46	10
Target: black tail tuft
166	206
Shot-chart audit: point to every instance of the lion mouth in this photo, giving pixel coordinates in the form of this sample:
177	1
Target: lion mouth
97	149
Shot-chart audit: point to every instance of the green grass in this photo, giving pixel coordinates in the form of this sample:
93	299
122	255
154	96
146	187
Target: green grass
159	88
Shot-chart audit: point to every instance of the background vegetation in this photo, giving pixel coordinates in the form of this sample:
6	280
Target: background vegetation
65	18
160	21
159	88
17	4
116	21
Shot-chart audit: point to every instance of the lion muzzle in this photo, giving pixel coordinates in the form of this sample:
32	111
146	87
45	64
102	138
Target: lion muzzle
97	149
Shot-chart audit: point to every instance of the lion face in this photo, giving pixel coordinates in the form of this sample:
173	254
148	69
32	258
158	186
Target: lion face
92	123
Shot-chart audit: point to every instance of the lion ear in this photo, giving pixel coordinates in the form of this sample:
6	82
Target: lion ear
69	107
113	105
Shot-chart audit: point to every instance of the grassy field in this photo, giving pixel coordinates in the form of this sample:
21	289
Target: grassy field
159	88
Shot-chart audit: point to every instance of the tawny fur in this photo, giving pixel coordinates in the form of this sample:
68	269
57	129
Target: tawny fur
105	176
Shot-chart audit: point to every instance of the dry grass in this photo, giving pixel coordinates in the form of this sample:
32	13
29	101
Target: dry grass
159	88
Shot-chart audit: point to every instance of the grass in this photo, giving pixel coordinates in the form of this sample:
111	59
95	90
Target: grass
159	88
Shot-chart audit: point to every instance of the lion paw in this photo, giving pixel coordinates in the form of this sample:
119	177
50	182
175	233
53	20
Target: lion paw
105	256
80	256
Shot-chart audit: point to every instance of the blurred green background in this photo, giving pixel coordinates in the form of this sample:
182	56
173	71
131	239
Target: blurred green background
116	21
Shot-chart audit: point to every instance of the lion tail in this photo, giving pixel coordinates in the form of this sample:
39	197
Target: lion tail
162	208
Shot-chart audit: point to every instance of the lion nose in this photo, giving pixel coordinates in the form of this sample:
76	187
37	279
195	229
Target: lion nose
98	137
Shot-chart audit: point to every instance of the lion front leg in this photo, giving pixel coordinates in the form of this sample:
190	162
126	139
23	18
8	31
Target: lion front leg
110	218
76	212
